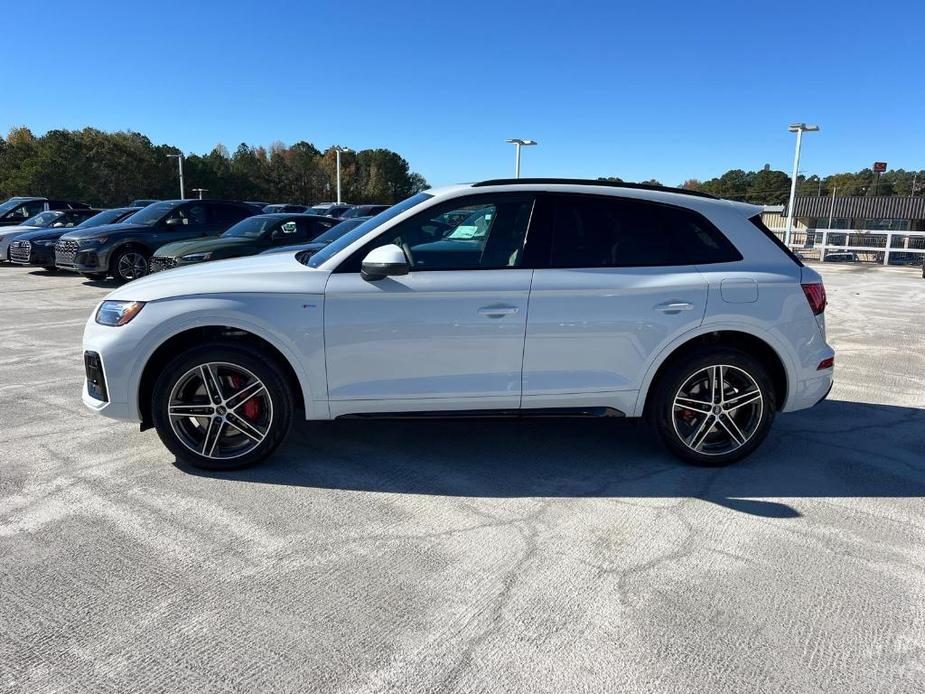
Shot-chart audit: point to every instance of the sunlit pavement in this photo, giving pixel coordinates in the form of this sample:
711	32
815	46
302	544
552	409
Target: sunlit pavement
456	556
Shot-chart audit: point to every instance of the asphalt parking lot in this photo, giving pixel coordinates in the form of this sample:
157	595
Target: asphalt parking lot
456	556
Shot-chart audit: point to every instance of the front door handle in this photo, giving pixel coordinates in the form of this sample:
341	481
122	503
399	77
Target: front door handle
498	310
674	306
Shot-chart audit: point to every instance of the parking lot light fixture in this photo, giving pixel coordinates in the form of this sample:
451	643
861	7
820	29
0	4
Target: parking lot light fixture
179	158
799	129
200	191
518	143
339	150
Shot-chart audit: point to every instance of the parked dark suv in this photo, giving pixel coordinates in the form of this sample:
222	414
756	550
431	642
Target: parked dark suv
17	210
37	247
124	250
65	220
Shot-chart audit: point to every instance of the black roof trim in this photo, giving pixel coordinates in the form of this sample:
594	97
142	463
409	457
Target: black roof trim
591	182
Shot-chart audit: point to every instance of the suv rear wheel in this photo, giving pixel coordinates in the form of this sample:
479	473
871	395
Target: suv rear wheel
714	406
221	406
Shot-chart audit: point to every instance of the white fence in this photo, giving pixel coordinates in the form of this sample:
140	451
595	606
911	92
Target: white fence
865	245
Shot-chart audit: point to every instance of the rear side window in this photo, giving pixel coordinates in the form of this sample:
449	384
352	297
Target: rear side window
228	214
594	231
756	220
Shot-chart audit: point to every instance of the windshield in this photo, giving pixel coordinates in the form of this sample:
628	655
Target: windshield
250	228
152	214
42	219
361	230
338	230
104	217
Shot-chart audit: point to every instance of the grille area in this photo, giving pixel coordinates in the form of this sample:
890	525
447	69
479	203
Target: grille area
65	252
20	251
159	263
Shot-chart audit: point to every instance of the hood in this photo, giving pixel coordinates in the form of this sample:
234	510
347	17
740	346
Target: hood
103	230
210	243
41	234
263	274
13	231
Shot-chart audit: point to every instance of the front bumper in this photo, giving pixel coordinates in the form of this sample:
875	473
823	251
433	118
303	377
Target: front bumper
27	253
69	256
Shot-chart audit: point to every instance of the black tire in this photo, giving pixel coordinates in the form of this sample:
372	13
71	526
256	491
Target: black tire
129	264
96	276
674	424
238	356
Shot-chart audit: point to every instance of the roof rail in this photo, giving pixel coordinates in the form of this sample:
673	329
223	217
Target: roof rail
592	182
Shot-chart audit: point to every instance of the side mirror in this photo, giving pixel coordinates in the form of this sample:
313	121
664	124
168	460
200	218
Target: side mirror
384	261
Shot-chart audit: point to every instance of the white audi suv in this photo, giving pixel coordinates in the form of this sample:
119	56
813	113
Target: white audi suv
517	297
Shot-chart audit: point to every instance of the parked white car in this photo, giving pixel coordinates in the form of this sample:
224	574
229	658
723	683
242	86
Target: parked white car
520	297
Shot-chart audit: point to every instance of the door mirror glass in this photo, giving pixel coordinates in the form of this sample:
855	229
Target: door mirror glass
174	221
384	261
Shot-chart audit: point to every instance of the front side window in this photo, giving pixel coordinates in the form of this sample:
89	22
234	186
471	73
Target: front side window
27	210
188	216
478	233
598	232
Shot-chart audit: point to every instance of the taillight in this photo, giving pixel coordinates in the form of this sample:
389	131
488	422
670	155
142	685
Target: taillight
815	295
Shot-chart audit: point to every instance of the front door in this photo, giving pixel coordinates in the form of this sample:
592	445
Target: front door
449	335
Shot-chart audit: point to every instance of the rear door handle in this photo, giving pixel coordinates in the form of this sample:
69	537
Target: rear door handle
674	306
498	310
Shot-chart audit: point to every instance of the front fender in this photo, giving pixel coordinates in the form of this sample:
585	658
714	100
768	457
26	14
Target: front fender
296	333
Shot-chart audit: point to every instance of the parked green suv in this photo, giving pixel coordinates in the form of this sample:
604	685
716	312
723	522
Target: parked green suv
248	237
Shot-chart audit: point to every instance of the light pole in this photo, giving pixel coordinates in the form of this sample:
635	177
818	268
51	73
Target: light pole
340	149
799	129
200	191
518	143
179	158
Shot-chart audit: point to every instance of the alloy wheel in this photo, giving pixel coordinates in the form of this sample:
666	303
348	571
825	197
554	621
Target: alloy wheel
717	410
220	410
132	265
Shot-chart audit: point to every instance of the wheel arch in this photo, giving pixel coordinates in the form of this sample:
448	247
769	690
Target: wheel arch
756	346
127	244
197	335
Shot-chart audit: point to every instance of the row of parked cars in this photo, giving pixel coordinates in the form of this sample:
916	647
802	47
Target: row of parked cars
151	235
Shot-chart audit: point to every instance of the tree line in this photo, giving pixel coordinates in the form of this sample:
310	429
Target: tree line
112	168
769	187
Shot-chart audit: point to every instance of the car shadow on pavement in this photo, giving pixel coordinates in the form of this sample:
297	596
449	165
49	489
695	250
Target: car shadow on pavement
837	449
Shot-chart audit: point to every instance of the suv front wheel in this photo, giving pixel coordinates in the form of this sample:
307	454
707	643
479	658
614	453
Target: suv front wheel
221	406
714	406
129	264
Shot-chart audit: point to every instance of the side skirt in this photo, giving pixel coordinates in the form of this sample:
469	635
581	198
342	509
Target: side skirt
549	412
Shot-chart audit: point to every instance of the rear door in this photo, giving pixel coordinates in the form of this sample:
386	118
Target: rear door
612	286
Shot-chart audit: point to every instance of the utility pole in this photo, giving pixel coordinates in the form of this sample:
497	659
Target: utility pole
518	143
179	158
338	150
799	129
832	206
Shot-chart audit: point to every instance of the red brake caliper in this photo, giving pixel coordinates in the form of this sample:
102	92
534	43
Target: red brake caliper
251	407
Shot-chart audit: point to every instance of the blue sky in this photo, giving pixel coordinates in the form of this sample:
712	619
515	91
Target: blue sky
661	89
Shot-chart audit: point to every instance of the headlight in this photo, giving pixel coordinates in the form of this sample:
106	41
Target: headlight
95	241
118	312
196	257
